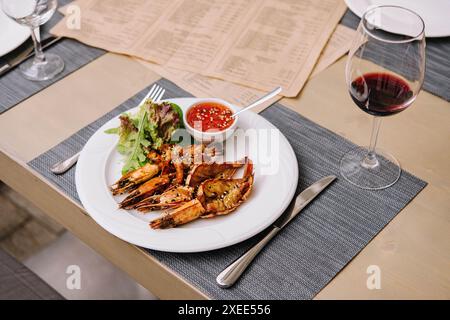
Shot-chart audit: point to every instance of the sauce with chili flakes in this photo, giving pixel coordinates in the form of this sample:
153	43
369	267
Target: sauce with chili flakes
210	116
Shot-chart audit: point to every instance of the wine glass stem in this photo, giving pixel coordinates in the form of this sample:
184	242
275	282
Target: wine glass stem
39	56
371	161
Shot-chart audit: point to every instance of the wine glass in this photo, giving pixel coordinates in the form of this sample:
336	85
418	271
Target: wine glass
384	74
33	13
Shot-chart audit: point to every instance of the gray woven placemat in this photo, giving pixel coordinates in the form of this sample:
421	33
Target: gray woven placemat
15	88
312	249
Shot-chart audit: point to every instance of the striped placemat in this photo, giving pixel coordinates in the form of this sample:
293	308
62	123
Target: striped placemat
15	88
316	245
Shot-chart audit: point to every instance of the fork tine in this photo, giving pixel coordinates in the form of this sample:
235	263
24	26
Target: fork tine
161	95
156	94
152	95
148	94
152	90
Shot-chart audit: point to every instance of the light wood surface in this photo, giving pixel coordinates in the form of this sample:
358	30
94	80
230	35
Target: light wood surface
413	251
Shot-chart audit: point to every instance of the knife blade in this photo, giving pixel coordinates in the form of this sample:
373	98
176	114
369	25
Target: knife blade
11	60
232	273
24	55
302	200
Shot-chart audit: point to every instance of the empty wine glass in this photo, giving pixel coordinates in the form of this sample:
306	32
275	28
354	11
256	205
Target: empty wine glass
384	73
33	13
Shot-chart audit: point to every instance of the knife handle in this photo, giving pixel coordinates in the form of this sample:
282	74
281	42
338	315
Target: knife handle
232	273
4	68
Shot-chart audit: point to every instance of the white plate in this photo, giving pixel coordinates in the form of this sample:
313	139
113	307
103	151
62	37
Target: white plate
99	166
12	34
435	13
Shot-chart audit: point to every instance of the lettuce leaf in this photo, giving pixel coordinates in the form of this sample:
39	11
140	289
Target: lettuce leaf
164	118
150	128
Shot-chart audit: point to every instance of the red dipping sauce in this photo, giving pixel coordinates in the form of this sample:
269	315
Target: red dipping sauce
210	116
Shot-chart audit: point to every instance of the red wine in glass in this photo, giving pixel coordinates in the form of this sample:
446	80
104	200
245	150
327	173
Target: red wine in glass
381	94
384	73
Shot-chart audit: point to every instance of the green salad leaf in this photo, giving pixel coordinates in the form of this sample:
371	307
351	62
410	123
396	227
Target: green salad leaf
150	128
178	110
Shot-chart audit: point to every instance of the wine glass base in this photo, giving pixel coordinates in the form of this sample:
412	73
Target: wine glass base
382	176
42	71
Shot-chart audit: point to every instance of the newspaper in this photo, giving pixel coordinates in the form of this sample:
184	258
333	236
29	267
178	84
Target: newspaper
255	43
206	87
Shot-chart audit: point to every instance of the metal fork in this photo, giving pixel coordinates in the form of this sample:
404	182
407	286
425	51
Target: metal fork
156	93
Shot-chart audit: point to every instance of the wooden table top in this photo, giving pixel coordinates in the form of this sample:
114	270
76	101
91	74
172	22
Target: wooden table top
413	251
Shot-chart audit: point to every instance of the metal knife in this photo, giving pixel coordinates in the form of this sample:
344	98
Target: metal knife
232	273
25	54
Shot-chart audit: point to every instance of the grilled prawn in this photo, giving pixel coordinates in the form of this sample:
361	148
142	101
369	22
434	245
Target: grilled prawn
214	197
188	212
222	196
171	198
204	171
133	179
147	189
